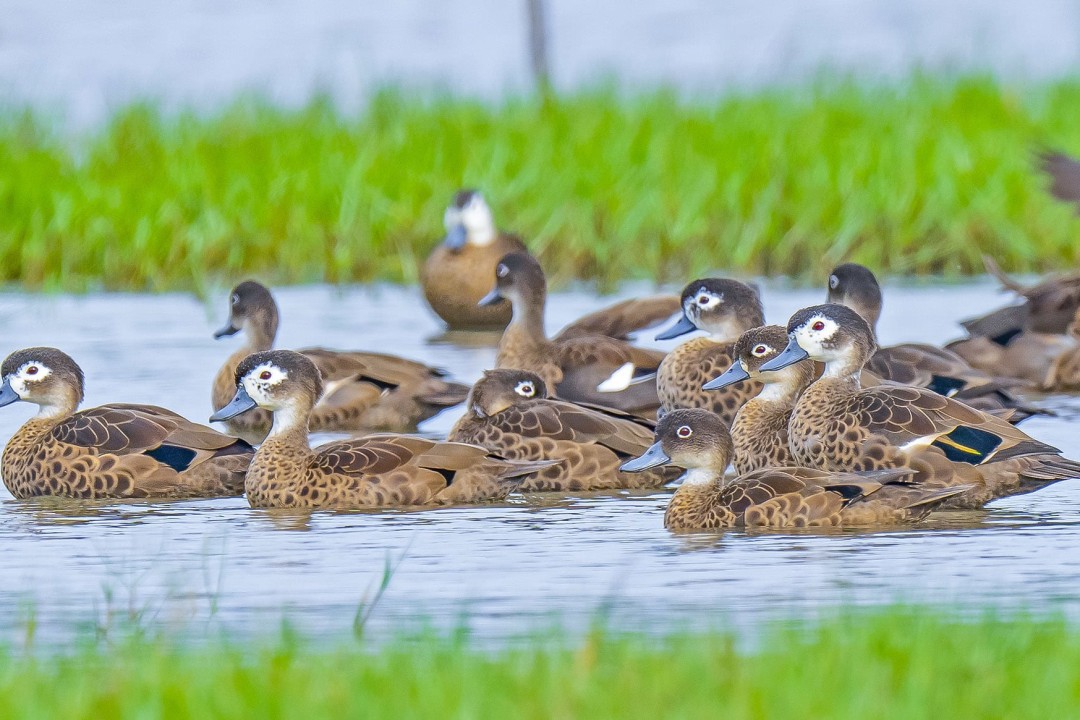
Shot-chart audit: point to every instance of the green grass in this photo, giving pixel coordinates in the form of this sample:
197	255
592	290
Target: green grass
908	664
916	177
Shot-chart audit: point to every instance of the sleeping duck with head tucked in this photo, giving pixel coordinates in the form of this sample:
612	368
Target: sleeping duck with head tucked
110	451
379	470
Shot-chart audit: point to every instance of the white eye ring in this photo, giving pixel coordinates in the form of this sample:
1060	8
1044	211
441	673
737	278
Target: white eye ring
235	298
502	271
684	431
525	388
834	282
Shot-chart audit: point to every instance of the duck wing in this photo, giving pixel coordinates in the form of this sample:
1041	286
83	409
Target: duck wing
624	318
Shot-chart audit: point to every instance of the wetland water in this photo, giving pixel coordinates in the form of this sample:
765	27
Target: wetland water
503	571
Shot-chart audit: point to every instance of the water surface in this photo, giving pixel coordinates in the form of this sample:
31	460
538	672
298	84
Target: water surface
504	571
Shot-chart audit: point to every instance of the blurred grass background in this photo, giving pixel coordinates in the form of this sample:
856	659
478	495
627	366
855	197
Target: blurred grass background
921	176
893	663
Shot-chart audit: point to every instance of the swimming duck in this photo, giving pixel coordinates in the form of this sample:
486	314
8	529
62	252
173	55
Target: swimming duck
724	309
458	271
111	451
363	390
374	471
940	370
510	413
698	441
839	425
760	429
572	367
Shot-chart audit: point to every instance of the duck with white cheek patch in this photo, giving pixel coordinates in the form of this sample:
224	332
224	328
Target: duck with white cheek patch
839	425
458	271
724	310
374	471
698	441
509	413
111	451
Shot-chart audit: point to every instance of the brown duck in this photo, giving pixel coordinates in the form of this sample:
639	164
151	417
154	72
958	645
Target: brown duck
839	425
458	271
362	390
760	429
920	364
111	451
724	309
509	413
698	441
374	471
574	366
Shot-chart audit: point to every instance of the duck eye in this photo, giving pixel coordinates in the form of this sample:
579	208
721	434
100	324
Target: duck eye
834	282
265	375
818	326
236	298
684	432
760	350
526	389
32	370
502	271
703	300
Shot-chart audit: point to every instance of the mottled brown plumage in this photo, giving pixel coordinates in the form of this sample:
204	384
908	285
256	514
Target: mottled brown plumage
1046	307
458	271
724	309
374	471
698	441
838	425
919	364
509	413
111	451
362	390
571	367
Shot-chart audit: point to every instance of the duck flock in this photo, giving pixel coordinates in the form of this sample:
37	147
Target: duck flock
822	426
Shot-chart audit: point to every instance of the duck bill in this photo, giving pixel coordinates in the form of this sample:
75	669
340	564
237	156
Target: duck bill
792	354
735	374
681	327
491	298
8	394
456	238
229	329
653	457
240	403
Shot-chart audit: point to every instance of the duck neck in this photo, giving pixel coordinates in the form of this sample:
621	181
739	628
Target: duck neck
845	371
260	333
528	317
291	424
701	476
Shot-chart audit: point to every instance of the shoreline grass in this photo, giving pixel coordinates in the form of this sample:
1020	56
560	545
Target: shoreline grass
920	176
893	663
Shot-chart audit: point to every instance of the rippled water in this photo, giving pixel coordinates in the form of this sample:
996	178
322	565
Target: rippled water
503	571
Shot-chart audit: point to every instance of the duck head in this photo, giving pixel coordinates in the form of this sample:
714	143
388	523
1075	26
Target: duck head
44	376
754	348
696	440
468	221
253	310
856	287
284	382
832	334
721	307
500	389
519	279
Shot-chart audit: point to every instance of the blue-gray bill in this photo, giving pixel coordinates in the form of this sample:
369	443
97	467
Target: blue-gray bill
229	329
7	394
734	374
456	237
792	354
681	327
653	457
491	298
240	403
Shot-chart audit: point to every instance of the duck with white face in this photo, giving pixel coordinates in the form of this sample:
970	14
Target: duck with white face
374	471
458	271
839	425
510	413
698	441
111	451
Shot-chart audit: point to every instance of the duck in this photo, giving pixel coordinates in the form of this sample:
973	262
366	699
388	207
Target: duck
760	429
774	497
364	391
724	309
573	365
458	271
838	425
378	470
938	369
510	413
116	451
1064	372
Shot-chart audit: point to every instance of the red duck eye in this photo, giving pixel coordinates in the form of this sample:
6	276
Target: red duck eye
684	431
32	370
760	350
818	325
264	375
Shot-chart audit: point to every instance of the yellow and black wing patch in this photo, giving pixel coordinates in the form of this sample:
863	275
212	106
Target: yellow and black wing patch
968	445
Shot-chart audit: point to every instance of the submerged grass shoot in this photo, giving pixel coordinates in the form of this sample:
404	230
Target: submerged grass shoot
919	176
908	664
